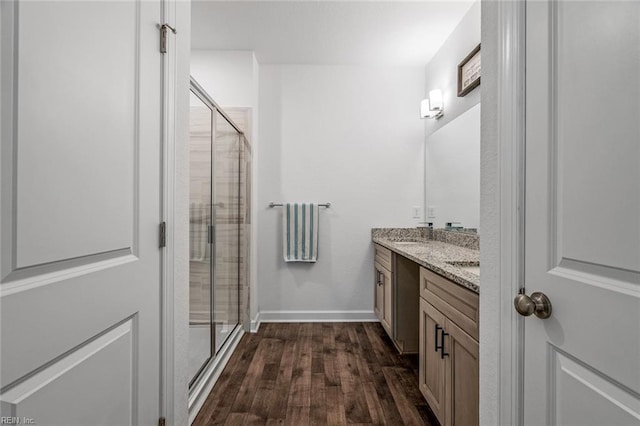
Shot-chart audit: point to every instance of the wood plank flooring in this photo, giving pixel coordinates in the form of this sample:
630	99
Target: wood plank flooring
317	373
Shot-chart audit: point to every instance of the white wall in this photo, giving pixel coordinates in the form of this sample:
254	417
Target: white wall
442	71
491	303
226	75
231	78
452	171
351	136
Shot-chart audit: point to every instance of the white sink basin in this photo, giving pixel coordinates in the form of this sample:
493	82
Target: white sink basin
472	269
407	243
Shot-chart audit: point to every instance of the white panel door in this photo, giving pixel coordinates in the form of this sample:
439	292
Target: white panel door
582	365
80	209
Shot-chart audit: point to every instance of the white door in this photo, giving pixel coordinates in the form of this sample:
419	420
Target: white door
80	209
582	365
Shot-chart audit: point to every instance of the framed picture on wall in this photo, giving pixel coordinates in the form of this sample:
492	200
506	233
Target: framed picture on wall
469	72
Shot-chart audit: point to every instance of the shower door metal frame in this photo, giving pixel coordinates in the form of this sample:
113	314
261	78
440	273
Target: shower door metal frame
206	100
201	94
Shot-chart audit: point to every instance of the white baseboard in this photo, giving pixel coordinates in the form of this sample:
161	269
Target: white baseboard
255	323
316	316
211	374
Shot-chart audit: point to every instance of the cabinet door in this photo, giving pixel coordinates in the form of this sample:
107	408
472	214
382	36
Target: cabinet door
432	367
383	294
378	277
387	318
462	381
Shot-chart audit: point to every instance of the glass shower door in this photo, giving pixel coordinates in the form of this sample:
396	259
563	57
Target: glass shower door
215	155
200	209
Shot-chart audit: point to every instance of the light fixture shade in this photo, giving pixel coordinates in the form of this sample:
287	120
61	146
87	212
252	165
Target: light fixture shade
435	100
424	108
432	107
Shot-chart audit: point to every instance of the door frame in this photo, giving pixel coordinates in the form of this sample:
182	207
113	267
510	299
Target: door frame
175	192
168	215
502	211
502	195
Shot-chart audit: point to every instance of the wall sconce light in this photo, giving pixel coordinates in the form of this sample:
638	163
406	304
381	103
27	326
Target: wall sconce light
432	107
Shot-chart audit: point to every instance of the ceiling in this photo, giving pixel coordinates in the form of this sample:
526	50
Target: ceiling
383	33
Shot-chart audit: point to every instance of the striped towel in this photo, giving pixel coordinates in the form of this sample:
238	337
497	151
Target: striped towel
300	232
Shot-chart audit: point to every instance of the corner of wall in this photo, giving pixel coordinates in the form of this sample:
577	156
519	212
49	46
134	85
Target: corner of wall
490	220
255	323
254	293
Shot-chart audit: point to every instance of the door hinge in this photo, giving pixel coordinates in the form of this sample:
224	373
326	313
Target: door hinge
162	421
163	234
163	36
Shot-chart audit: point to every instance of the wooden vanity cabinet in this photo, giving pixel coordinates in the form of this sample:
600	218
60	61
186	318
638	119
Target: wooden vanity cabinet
432	365
383	277
383	302
463	378
378	306
396	298
448	366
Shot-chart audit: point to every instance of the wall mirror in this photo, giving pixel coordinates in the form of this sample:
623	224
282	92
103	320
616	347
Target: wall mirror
452	172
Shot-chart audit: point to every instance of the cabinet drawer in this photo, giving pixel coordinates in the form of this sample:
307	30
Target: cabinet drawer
457	303
383	256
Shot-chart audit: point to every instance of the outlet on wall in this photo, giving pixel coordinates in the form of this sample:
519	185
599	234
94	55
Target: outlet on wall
431	211
416	212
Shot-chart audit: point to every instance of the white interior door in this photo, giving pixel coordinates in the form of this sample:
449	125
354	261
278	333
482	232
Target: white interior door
582	365
80	209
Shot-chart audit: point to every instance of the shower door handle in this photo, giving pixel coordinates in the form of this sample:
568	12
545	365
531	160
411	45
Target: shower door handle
211	234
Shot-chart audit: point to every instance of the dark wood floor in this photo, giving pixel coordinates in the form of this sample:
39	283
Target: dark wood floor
317	373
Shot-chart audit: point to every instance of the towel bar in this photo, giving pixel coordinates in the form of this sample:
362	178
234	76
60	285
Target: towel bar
272	205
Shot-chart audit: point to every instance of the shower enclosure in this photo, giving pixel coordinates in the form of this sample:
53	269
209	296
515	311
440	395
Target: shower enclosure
217	212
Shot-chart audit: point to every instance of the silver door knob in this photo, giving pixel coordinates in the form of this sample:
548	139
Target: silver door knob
538	304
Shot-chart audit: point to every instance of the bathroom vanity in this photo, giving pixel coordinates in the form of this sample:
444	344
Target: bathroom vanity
397	280
427	294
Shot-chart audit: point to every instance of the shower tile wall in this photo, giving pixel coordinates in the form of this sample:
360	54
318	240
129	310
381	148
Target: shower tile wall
199	214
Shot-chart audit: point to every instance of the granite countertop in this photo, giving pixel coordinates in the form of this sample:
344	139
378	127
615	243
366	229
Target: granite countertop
440	257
